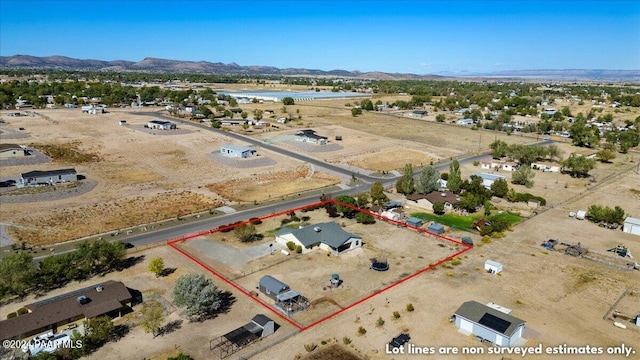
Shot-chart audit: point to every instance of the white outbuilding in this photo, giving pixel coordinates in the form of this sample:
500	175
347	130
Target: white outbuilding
631	226
493	267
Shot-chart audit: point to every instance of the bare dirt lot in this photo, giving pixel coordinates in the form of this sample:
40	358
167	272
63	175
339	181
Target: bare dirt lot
143	175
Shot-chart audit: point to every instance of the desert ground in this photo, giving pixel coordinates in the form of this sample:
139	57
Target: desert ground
407	251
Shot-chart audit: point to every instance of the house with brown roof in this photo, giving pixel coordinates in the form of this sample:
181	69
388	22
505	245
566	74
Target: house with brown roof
110	298
449	199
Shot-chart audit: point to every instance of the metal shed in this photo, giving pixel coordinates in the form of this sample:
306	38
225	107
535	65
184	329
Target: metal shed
436	228
493	267
489	323
415	222
631	226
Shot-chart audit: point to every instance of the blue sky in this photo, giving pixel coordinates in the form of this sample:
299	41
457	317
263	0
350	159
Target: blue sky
418	37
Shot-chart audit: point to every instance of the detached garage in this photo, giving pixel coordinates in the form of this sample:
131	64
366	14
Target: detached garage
490	324
631	226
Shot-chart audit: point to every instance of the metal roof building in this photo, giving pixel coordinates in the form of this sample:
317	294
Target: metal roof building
490	323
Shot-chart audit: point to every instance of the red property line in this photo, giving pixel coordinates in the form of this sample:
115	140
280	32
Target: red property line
234	285
315	205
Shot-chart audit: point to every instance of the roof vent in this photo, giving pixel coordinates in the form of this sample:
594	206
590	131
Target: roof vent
317	229
82	299
443	194
99	288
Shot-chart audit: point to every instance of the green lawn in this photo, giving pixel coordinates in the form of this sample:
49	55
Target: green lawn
464	222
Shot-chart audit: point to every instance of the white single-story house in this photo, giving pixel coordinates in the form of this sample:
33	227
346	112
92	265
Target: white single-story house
11	151
232	122
237	151
488	179
493	267
48	177
327	236
464	122
310	136
631	225
489	323
510	166
161	125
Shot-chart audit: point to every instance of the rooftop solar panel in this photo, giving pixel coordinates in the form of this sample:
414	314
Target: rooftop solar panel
495	323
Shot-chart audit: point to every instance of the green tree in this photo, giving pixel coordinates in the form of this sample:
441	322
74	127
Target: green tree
553	152
244	115
406	184
364	218
17	274
257	114
428	180
500	187
356	111
438	208
440	118
583	135
152	317
605	155
578	165
345	210
454	182
245	232
378	196
156	266
198	295
288	101
499	148
362	199
523	176
99	331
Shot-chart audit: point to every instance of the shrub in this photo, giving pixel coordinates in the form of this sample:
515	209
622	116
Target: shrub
380	321
346	340
323	342
362	330
410	307
291	245
476	163
285	221
12	315
396	315
456	261
255	221
365	218
449	274
310	347
22	311
299	249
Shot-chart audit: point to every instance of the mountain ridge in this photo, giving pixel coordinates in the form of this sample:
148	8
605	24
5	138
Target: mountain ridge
152	64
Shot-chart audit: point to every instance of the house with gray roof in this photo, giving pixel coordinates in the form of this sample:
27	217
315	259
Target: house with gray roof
11	151
38	177
488	179
327	236
492	323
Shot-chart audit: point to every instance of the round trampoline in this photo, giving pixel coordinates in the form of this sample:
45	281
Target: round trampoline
380	265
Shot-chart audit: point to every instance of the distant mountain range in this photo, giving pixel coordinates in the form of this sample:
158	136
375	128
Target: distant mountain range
204	67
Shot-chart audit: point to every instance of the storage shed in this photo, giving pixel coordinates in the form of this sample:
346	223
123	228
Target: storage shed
581	214
415	222
272	287
489	323
631	226
436	228
493	267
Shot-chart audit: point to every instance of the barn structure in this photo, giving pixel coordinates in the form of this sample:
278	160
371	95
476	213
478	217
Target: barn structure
237	151
260	326
491	323
286	300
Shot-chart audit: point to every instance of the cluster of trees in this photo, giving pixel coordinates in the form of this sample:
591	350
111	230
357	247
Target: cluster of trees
578	165
598	213
19	275
523	153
